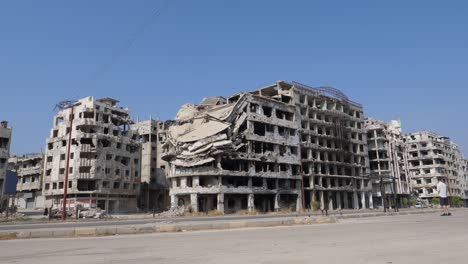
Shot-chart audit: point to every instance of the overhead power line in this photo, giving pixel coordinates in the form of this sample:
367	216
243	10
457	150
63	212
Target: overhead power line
127	45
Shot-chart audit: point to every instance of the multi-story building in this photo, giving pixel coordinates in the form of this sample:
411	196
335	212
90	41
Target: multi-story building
333	145
28	169
104	156
465	182
388	161
282	146
154	190
5	140
433	157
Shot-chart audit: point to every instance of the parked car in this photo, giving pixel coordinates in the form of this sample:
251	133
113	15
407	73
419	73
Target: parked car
420	205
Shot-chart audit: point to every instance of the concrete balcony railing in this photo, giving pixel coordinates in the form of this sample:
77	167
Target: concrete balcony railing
4	153
30	170
430	175
85	122
28	186
87	148
424	185
87	162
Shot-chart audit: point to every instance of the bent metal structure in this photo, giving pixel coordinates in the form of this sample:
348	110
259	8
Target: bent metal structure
279	147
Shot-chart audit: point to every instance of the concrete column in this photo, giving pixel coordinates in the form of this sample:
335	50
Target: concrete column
277	207
345	200
330	203
220	206
338	200
355	200
183	182
250	202
299	202
194	201
371	201
218	163
312	196
363	200
250	182
196	181
173	201
322	200
117	203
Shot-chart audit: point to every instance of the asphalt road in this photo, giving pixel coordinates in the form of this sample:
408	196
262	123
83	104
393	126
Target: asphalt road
389	240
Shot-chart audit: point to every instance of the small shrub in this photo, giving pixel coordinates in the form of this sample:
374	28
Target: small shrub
315	205
406	202
247	212
215	213
435	201
457	202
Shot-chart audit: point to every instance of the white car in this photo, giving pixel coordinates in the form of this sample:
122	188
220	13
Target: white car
420	205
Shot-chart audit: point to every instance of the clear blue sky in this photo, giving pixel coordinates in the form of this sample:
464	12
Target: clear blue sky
401	59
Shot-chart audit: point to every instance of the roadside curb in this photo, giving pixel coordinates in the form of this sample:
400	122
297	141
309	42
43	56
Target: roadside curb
184	227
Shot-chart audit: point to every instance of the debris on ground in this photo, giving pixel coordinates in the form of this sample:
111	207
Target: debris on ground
96	213
14	215
174	212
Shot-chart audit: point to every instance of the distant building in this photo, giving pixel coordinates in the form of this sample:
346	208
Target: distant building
29	170
154	191
5	141
105	157
435	157
388	162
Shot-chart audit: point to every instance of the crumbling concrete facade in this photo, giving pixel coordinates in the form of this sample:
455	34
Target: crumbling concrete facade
464	184
105	157
388	162
154	190
432	156
29	170
333	147
5	141
279	147
236	155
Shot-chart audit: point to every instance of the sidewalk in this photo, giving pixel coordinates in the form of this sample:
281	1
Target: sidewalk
225	222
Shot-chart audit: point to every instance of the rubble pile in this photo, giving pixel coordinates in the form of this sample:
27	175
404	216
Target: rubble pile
205	132
14	215
95	213
174	212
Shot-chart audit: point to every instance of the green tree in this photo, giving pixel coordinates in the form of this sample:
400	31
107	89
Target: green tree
457	202
435	201
406	202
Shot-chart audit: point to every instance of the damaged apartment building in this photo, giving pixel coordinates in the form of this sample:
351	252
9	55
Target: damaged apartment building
388	162
277	148
154	189
28	169
434	157
5	140
104	157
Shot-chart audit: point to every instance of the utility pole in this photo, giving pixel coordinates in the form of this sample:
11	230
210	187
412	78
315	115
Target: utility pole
65	183
382	193
394	195
302	172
